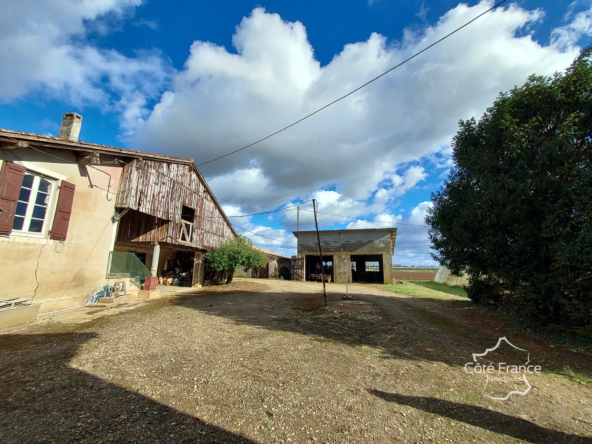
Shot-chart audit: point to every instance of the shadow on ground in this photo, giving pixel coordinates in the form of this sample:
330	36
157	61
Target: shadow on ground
485	418
42	399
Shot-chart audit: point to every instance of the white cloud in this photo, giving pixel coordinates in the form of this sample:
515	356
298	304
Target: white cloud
356	157
44	48
151	24
381	221
412	244
567	36
222	101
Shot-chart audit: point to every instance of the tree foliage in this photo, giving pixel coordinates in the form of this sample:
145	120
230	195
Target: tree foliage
234	253
515	212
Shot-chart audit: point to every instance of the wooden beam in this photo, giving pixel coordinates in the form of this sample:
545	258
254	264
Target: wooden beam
17	144
88	158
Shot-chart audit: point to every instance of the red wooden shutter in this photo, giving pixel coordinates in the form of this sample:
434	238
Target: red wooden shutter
11	180
61	220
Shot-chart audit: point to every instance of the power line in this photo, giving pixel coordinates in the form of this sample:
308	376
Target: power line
357	89
271	211
260	235
367	220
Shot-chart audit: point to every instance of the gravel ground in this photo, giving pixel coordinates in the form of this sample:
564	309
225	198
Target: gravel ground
262	361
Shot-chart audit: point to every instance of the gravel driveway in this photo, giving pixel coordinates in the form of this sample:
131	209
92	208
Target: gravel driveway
261	361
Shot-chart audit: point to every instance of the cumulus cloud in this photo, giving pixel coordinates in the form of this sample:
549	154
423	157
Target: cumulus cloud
223	100
44	48
567	36
412	244
362	148
357	158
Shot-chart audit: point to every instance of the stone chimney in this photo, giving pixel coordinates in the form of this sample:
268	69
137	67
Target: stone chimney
70	129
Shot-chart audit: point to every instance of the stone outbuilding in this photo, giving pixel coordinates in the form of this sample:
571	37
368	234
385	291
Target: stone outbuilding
277	265
362	255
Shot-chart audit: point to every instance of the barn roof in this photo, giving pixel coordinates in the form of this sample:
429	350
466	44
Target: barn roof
269	252
75	145
354	230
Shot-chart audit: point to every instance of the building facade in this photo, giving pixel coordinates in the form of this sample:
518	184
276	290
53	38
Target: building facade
358	256
66	207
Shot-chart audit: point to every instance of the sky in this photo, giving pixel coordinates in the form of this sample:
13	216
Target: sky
202	79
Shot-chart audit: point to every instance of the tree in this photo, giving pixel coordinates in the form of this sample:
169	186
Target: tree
232	254
515	212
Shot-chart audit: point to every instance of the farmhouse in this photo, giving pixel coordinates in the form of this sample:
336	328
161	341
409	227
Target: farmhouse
362	255
74	216
277	265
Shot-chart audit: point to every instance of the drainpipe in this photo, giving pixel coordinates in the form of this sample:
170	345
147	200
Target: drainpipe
155	256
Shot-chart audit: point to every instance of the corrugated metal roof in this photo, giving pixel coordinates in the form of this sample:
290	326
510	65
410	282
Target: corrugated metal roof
389	229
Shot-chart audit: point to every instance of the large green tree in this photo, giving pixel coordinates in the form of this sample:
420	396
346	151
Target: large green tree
232	254
515	212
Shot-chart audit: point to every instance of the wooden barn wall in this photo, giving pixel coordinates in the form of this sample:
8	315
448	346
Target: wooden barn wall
139	227
160	189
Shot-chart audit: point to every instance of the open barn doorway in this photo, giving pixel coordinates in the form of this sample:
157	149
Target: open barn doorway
313	268
367	268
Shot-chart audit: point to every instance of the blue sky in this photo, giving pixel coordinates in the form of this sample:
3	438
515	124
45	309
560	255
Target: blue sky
197	79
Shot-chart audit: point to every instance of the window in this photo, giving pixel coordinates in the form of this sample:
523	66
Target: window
33	203
372	266
354	266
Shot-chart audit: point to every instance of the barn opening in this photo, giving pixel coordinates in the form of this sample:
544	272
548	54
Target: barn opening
367	268
313	267
187	218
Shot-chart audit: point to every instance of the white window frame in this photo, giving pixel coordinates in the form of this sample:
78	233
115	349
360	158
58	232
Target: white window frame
370	264
49	215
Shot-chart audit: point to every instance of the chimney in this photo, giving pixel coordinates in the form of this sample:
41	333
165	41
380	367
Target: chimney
70	129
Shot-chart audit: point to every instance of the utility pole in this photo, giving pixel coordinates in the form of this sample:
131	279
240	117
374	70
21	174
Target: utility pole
298	218
314	207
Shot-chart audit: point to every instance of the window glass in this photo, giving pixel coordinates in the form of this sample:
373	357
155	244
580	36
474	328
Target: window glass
18	223
36	225
24	195
44	185
372	266
28	181
31	209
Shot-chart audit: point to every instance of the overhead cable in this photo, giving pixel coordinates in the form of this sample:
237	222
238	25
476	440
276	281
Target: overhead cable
355	90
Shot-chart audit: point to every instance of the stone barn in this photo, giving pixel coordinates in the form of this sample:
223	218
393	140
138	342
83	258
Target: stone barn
363	255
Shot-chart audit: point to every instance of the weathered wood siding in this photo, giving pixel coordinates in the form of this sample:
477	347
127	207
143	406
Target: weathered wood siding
160	189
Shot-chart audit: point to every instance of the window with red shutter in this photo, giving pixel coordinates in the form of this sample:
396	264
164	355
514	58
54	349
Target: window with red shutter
61	220
11	180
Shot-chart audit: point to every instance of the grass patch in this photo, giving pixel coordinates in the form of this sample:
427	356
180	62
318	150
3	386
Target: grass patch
457	291
427	289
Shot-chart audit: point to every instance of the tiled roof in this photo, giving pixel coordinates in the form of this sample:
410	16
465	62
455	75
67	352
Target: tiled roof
269	252
56	142
75	145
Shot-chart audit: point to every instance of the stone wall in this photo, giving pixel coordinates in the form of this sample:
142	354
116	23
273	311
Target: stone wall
344	243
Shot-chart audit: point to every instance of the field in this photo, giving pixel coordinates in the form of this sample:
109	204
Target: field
416	275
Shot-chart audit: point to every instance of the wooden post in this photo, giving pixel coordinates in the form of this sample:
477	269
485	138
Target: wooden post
314	207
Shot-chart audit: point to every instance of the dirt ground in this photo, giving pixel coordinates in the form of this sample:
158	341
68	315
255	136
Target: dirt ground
262	361
415	275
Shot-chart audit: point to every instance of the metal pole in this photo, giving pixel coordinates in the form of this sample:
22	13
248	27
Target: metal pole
346	279
298	218
314	207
